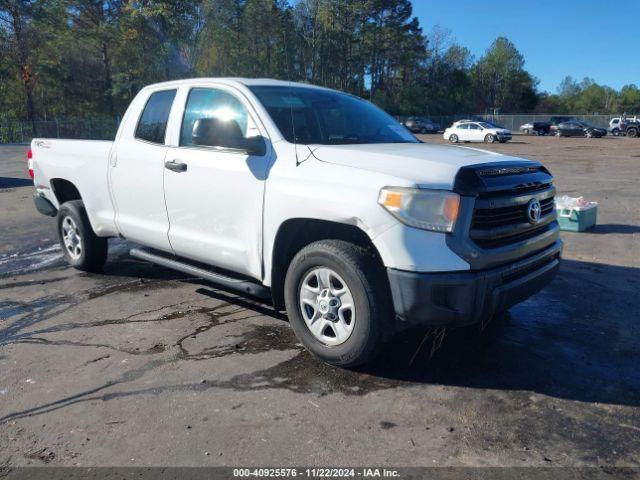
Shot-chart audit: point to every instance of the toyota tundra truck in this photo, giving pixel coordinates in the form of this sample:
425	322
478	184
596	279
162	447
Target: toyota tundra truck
312	199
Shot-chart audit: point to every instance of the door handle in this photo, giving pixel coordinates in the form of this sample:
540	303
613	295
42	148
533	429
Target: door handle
176	166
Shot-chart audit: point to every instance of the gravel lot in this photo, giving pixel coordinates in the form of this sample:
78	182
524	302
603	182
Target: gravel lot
142	366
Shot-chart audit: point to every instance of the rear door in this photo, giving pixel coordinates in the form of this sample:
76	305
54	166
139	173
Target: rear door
137	170
476	133
214	201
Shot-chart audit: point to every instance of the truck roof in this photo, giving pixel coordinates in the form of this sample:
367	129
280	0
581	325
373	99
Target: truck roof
235	81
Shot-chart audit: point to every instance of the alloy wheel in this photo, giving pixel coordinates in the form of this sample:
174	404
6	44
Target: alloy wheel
327	306
71	237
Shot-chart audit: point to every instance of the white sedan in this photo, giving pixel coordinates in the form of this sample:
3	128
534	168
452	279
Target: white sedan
476	132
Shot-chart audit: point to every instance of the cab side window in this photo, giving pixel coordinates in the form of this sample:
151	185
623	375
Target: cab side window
215	118
152	125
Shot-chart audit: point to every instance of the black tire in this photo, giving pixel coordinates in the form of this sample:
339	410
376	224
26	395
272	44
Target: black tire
423	130
489	138
615	132
526	131
93	249
453	138
365	277
632	132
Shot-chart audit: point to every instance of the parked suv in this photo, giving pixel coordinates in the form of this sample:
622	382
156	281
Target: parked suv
308	198
421	125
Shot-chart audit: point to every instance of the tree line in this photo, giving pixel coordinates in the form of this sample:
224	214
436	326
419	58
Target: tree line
88	58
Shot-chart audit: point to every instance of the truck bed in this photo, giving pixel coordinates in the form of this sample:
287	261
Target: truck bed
84	163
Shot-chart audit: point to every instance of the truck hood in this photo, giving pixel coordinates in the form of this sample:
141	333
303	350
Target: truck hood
429	166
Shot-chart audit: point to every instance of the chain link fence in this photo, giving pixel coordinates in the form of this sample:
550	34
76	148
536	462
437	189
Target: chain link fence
105	129
23	132
514	121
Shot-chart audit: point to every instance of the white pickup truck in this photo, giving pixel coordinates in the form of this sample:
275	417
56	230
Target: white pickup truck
312	198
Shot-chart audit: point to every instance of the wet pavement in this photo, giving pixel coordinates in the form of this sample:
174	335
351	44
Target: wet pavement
139	365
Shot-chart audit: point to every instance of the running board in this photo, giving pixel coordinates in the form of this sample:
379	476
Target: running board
236	284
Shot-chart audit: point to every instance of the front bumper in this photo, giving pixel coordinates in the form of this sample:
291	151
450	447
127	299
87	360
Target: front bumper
448	299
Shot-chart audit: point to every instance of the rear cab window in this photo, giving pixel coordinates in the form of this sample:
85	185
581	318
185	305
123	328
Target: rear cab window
152	125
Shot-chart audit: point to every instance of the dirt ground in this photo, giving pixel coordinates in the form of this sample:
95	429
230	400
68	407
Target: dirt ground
143	366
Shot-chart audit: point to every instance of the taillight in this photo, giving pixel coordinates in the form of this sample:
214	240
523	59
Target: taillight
30	163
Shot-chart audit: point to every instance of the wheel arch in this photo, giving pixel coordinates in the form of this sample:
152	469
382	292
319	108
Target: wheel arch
64	190
296	233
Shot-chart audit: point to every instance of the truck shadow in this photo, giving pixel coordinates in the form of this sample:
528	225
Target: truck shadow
12	182
579	339
614	228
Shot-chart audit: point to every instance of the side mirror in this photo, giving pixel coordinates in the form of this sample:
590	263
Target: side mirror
213	132
255	146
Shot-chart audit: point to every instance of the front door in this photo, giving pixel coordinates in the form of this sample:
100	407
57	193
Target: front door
463	132
214	192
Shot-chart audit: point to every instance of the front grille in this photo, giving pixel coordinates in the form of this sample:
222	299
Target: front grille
497	171
501	219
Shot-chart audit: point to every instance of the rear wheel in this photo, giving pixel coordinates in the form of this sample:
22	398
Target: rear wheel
526	131
489	138
423	130
632	132
453	138
81	247
337	301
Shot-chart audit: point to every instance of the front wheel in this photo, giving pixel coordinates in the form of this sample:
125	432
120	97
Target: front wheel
490	138
615	132
338	301
453	138
81	247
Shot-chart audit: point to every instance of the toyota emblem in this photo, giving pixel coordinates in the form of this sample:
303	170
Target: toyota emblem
534	211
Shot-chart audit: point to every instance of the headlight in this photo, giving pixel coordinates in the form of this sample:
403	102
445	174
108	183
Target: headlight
435	210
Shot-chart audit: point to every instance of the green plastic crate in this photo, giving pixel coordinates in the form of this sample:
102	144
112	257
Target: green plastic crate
578	219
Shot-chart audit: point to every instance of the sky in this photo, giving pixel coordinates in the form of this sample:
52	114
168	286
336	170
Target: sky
581	38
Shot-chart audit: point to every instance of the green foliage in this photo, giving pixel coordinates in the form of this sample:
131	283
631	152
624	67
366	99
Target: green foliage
88	58
501	82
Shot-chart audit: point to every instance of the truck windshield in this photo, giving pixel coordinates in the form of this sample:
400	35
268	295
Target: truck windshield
325	117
